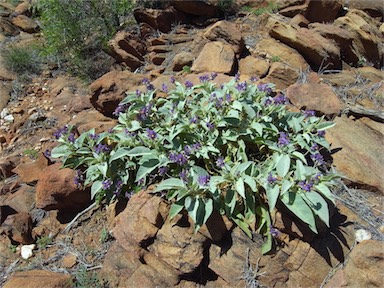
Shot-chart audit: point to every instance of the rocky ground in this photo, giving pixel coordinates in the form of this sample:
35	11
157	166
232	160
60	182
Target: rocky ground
324	55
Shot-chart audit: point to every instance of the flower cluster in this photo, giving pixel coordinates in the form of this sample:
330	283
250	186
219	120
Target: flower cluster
232	147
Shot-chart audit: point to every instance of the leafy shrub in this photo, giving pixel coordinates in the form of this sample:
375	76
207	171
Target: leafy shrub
272	7
234	148
22	59
76	29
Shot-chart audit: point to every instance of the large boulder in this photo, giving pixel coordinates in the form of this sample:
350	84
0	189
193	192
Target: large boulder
56	189
127	48
359	156
108	91
160	19
319	97
273	48
18	227
318	51
226	32
215	57
204	8
323	11
39	278
367	37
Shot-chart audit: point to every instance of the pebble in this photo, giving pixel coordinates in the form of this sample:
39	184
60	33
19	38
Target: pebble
362	235
27	251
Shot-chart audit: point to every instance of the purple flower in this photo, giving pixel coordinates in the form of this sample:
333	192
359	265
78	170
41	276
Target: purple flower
106	184
101	148
316	179
242	86
187	150
317	158
196	146
120	109
118	187
321	133
188	84
164	87
129	194
61	131
71	138
138	92
314	147
309	113
306	186
163	170
254	79
144	112
210	125
264	88
219	102
228	97
173	80
151	134
271	179
179	158
213	75
280	99
193	120
141	181
268	101
220	162
148	84
203	180
79	178
204	78
94	136
183	175
274	231
237	77
47	153
283	139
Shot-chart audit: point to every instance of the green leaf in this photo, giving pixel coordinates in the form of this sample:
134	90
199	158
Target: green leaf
258	127
192	206
272	195
300	170
300	156
175	209
243	226
239	185
285	186
283	165
171	183
146	168
324	190
230	202
295	203
250	182
318	205
96	188
139	151
60	151
325	125
267	245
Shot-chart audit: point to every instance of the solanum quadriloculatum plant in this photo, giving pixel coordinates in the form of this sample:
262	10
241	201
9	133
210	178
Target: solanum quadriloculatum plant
234	148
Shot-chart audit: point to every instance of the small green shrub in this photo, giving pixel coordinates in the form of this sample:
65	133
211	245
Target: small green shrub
76	29
22	59
234	148
275	58
31	153
43	242
271	8
85	279
187	69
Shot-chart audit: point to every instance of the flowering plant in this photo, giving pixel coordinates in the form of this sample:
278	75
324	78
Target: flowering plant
234	148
